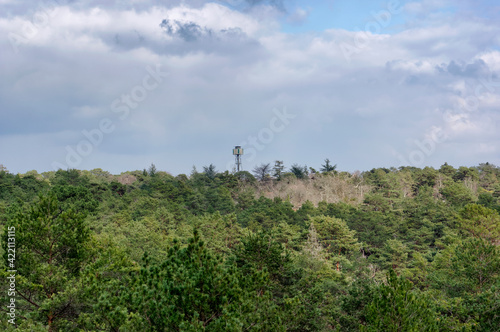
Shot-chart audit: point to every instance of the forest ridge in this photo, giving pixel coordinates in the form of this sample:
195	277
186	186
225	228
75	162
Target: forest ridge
275	249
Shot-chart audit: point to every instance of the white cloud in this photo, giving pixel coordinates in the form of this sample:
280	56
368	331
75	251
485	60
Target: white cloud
224	85
492	59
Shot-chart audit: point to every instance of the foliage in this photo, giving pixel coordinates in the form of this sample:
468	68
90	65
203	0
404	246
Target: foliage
50	251
300	172
395	307
327	167
278	169
390	249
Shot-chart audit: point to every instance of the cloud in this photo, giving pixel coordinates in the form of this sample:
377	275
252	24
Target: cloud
274	3
188	31
191	31
298	17
228	69
476	69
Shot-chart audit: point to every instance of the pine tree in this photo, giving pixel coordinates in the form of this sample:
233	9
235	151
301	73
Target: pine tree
50	251
396	308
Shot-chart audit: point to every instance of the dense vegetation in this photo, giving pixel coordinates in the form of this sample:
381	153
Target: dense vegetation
403	249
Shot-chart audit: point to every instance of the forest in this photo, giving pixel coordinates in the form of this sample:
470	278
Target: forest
272	249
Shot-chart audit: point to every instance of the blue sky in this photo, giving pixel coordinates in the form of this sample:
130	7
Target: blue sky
119	85
348	15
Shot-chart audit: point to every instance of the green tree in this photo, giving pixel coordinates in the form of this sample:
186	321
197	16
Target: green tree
457	194
466	173
336	237
79	198
327	167
395	254
152	170
300	172
50	251
278	169
210	171
480	221
476	265
447	170
190	290
396	308
245	177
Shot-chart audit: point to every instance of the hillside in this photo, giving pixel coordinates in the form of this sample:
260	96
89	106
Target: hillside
387	249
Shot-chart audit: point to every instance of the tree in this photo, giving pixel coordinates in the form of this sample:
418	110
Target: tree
246	177
447	170
327	167
476	265
396	307
469	267
278	169
262	172
481	222
190	290
210	171
464	173
300	172
467	275
336	238
395	254
152	170
457	194
50	251
77	197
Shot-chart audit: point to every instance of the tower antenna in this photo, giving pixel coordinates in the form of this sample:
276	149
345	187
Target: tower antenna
238	152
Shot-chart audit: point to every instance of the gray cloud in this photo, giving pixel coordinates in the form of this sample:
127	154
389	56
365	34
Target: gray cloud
189	31
224	81
478	68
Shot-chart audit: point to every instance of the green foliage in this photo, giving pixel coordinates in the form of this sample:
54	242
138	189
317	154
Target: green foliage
466	173
152	171
467	268
395	307
457	194
300	172
256	262
278	169
337	239
327	167
210	171
245	177
353	305
190	290
447	170
482	222
50	251
465	277
78	197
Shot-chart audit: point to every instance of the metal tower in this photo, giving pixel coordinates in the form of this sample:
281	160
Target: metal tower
238	152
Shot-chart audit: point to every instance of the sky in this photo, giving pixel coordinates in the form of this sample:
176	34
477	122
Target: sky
120	85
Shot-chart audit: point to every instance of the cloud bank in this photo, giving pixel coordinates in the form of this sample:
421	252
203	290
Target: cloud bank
369	98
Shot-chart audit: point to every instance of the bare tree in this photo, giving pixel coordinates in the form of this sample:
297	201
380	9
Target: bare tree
262	172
